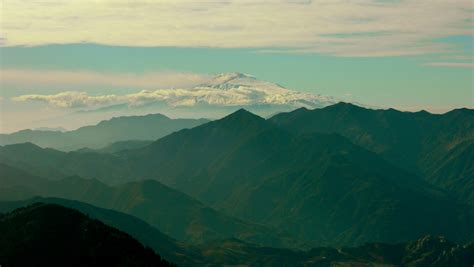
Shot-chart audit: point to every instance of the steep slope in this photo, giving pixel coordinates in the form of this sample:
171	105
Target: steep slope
148	127
454	171
148	235
172	212
48	234
123	145
418	142
179	156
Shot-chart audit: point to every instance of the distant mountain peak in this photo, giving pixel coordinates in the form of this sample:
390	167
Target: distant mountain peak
128	118
228	76
238	89
243	115
466	111
25	145
342	104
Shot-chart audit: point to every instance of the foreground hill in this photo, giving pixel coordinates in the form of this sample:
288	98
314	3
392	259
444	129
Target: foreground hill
148	235
437	147
148	127
52	235
174	213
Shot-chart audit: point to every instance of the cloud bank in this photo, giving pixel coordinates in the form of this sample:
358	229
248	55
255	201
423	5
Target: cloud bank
229	89
366	28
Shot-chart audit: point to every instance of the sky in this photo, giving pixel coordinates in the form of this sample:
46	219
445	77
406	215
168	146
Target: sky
409	55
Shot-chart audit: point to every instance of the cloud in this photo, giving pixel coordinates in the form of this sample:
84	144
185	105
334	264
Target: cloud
164	79
69	99
232	89
365	28
449	64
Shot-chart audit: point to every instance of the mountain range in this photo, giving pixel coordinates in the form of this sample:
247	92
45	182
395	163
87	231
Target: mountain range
363	180
437	147
172	212
105	133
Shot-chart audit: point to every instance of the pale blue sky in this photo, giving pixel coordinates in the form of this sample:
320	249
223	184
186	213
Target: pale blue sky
55	55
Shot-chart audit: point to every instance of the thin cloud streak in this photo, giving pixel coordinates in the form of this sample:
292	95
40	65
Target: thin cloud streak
449	65
164	79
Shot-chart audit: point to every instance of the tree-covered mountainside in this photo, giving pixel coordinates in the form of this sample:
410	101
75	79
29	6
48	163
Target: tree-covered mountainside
53	235
121	146
426	251
48	234
148	235
174	213
437	147
148	127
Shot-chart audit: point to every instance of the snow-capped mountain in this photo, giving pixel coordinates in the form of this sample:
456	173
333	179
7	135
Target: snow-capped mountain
245	90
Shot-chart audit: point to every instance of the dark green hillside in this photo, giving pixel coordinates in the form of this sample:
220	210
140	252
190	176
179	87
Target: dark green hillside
184	153
52	235
419	142
72	239
426	251
174	213
123	145
319	187
148	235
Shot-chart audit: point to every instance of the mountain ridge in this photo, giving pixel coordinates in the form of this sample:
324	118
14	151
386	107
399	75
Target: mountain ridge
147	127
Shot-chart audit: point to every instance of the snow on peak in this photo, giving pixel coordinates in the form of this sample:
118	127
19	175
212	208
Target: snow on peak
222	79
242	89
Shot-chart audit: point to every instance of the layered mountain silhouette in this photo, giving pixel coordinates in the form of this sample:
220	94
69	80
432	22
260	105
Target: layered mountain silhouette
148	127
439	148
52	235
174	213
118	146
322	187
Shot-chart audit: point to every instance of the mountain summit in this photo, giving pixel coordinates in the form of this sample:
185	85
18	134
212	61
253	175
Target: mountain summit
238	89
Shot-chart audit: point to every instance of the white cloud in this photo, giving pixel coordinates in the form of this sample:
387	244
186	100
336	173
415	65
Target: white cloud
450	64
232	89
69	99
337	27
